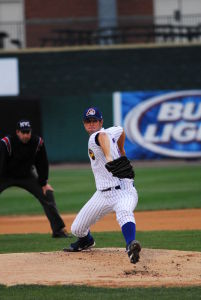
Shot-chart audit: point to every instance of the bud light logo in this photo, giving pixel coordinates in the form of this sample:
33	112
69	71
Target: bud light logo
167	124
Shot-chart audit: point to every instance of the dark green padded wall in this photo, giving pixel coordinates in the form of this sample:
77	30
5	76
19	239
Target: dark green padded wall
86	72
68	81
64	133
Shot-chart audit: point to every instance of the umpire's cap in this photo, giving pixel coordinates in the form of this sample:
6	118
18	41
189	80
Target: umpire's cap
92	112
24	125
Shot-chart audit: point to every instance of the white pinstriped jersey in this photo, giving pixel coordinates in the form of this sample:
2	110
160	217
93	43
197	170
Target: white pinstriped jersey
103	178
121	201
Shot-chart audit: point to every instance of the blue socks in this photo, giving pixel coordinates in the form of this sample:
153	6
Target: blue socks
89	236
128	231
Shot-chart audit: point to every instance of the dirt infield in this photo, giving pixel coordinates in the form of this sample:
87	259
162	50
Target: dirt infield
186	219
104	267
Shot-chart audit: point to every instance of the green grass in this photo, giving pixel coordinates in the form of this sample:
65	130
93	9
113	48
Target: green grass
82	292
161	188
72	189
169	188
173	240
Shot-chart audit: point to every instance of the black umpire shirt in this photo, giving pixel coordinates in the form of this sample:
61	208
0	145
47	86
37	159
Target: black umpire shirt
17	159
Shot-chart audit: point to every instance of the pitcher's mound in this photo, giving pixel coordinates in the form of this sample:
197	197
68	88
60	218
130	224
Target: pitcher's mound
108	267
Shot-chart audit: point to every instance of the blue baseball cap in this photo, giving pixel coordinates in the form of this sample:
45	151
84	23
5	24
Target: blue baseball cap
92	112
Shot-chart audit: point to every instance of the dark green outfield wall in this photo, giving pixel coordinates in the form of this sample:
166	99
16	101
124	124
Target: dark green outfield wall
62	124
66	82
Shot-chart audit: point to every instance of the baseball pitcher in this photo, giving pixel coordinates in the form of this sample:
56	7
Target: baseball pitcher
114	177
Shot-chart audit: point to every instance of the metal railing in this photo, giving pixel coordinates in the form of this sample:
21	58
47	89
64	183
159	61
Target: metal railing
86	31
12	35
123	35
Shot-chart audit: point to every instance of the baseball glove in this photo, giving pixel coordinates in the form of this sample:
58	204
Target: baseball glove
121	168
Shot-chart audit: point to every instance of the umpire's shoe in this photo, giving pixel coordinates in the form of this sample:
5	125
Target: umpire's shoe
133	250
61	234
83	243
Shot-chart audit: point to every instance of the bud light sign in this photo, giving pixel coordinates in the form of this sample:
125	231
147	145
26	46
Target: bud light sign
160	124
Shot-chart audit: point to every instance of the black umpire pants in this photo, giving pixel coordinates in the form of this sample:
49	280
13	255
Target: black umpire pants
47	201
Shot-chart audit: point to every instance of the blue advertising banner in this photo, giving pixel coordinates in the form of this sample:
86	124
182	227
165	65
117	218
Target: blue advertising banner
160	124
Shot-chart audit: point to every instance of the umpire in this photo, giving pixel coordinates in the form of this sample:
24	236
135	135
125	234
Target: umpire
24	163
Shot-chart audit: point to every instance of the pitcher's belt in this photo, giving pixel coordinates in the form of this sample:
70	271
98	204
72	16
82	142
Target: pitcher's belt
109	189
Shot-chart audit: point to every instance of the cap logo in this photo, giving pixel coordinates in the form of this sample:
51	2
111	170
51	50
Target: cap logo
24	124
90	112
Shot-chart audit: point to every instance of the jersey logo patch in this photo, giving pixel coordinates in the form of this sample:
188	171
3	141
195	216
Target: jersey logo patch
91	154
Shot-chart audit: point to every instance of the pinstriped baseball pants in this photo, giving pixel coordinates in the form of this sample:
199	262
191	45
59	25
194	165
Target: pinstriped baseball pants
122	202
